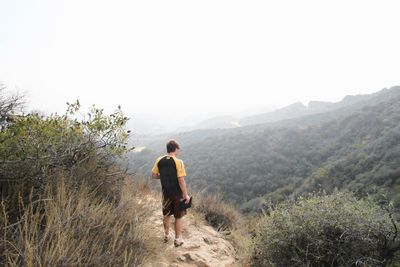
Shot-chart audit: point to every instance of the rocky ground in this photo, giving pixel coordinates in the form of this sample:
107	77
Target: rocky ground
203	245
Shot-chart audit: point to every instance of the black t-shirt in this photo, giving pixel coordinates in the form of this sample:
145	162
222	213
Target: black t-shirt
169	168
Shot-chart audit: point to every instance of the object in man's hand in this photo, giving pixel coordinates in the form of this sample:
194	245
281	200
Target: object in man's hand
183	205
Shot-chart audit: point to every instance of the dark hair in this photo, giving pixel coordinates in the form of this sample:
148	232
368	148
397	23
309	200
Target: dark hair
172	145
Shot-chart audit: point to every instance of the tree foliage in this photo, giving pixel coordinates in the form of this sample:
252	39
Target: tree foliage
36	149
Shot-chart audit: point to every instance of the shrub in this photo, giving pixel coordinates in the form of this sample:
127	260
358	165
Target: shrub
221	215
327	230
34	149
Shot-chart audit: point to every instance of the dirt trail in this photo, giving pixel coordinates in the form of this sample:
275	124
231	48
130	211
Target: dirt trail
203	245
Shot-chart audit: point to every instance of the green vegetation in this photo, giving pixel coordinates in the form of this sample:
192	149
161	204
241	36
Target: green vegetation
328	230
35	149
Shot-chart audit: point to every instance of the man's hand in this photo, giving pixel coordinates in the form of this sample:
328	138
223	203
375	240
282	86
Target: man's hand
156	175
187	198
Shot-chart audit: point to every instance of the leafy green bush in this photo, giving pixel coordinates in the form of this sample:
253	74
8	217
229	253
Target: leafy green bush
35	149
327	230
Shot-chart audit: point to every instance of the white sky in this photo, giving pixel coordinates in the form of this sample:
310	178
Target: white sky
197	57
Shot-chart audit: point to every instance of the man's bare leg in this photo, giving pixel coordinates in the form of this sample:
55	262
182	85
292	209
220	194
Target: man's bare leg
178	227
166	222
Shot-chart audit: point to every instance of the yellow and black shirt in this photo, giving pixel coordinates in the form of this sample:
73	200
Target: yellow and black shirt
169	168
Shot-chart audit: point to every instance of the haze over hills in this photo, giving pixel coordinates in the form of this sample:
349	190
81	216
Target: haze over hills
298	109
294	110
213	123
297	115
155	124
353	144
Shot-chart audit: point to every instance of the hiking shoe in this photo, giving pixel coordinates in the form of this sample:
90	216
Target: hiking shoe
166	237
178	242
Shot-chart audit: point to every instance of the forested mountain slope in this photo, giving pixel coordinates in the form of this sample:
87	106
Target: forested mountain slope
355	147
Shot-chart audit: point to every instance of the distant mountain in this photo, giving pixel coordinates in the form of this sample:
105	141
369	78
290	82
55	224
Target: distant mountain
213	123
297	109
294	110
347	106
291	111
319	106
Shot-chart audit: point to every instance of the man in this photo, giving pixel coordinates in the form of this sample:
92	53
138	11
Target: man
171	172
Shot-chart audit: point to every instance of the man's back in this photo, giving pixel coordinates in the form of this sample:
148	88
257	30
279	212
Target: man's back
170	168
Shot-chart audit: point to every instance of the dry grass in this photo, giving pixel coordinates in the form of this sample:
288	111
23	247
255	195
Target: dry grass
74	229
226	219
221	215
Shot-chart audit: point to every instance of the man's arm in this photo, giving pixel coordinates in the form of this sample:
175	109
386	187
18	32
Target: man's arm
181	173
182	185
155	171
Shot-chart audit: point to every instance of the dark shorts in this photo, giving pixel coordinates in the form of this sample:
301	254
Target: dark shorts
170	206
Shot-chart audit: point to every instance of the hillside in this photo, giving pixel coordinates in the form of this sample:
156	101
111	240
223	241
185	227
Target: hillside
292	111
355	147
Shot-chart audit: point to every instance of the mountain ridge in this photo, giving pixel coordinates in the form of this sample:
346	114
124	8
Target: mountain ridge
291	111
